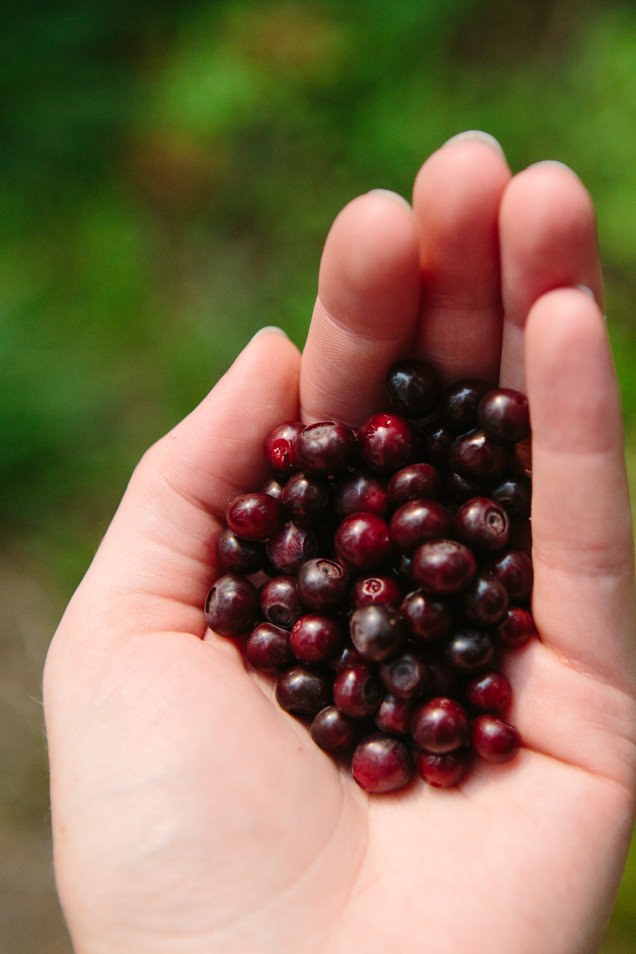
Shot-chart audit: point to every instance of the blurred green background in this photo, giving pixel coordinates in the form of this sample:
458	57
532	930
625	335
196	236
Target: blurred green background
168	172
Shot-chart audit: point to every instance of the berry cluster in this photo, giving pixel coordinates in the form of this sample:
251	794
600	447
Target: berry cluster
380	574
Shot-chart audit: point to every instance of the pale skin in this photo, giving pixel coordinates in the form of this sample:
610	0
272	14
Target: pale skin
192	815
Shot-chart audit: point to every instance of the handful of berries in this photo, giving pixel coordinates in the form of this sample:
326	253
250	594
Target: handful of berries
380	576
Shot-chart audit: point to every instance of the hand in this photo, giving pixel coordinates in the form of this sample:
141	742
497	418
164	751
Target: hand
190	814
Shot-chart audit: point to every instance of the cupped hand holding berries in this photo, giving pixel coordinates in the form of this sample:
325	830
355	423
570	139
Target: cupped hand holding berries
190	812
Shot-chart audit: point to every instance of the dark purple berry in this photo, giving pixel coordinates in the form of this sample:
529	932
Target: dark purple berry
333	731
514	570
357	692
280	601
425	618
381	764
363	543
443	567
316	638
469	649
478	456
347	658
267	648
482	524
386	442
440	725
232	605
418	520
514	495
405	676
238	556
376	631
291	547
376	589
323	584
443	770
360	492
436	439
413	388
254	516
516	628
504	414
325	447
273	488
413	482
302	692
394	715
495	740
279	447
485	601
460	403
488	691
306	498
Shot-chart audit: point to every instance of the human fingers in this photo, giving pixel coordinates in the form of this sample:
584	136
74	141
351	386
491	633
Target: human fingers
548	240
582	530
456	200
157	554
366	309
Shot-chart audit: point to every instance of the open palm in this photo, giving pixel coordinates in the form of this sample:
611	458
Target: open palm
190	814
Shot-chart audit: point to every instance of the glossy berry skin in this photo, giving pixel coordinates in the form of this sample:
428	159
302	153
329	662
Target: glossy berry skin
386	443
413	482
323	584
504	414
469	649
482	524
460	404
347	658
358	492
381	764
238	556
325	447
478	456
516	628
254	516
274	488
424	617
405	676
303	693
305	498
436	440
315	638
291	547
232	605
279	447
267	648
489	692
357	692
413	388
494	739
376	631
418	520
280	601
362	542
333	732
485	601
394	715
444	770
514	569
514	495
443	567
368	590
440	725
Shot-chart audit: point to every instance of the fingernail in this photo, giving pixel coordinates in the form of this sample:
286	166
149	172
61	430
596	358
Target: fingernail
477	135
587	290
555	164
270	330
393	195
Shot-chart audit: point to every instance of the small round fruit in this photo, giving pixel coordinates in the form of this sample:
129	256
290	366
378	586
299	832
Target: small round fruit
376	631
357	692
445	769
323	584
443	567
495	740
232	605
333	732
504	414
381	764
267	648
440	725
302	692
279	447
254	516
362	542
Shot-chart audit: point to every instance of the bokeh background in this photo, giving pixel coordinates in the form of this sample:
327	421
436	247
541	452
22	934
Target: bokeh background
168	172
